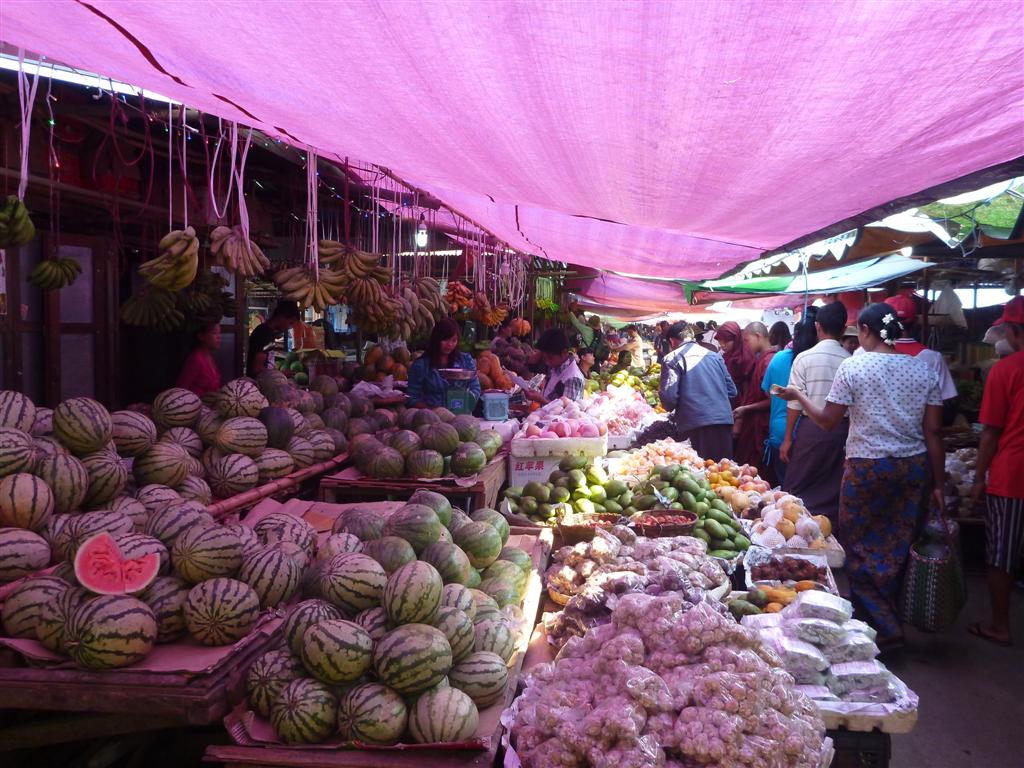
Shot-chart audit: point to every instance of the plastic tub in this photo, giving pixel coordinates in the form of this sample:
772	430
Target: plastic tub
495	405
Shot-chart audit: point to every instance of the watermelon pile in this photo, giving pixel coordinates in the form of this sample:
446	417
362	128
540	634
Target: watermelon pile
420	443
394	641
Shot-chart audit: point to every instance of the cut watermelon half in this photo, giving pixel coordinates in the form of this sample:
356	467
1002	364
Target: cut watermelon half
101	568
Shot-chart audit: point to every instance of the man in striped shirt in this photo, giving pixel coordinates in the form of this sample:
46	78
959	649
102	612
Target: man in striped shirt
815	457
1001	457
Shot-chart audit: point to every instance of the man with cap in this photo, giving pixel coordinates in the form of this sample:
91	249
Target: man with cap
999	473
851	339
906	313
696	384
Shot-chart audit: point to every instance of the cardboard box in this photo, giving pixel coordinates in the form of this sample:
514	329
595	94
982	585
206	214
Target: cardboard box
522	469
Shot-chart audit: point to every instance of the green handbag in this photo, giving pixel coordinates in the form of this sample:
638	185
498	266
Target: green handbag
934	588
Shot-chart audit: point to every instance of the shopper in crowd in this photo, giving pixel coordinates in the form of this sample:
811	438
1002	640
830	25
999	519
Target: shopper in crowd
564	378
894	460
773	469
199	373
907	344
750	431
284	316
661	345
585	361
1000	472
427	388
707	337
695	383
850	341
592	336
632	344
504	334
814	455
739	358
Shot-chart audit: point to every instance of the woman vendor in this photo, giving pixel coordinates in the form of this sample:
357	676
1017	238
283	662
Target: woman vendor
199	373
564	378
427	388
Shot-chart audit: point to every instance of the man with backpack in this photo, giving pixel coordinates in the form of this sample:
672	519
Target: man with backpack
592	337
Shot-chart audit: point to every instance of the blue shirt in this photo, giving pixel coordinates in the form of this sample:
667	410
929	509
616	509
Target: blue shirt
427	386
697	385
777	373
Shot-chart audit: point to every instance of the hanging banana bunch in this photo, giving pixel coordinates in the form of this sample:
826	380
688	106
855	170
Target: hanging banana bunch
16	228
458	296
382	316
176	266
317	291
154	308
54	274
485	313
232	249
429	292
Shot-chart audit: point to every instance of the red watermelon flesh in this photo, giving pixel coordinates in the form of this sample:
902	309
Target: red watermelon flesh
101	568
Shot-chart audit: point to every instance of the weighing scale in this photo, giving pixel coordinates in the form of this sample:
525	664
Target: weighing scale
458	398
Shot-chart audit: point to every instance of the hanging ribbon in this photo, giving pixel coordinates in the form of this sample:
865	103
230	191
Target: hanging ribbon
239	174
27	95
312	254
218	211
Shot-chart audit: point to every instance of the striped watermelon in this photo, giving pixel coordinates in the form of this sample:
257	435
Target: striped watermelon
440	437
240	397
508	572
43	423
110	631
135	545
412	594
482	676
425	464
16	411
17	451
176	407
68	480
459	519
423	416
195	489
474	579
337	651
383	463
496	637
502	590
301	451
405	441
412	658
248	538
133	508
65	571
272	574
337	543
108	477
81	528
207	425
25	502
443	715
336	418
391	552
416	524
361	522
305	712
187	438
458	596
221	611
446	536
22	553
467	427
299	425
242	434
166	598
155	497
518	556
301	556
83	425
268	676
480	541
52	621
340	441
374	621
281	526
173	519
450	561
323	445
353	582
493	518
483	602
436	501
20	612
459	630
314	422
273	463
164	464
372	714
47	446
233	474
133	433
204	552
195	468
302	617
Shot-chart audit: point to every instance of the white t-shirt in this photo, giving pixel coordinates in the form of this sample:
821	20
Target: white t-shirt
886	395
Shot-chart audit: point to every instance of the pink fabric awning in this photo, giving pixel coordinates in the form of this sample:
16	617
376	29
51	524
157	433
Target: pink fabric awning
662	138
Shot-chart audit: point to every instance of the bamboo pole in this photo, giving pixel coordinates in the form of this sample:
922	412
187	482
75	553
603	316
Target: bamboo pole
241	500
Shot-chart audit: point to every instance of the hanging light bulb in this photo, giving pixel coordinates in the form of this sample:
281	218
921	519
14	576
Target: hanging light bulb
421	233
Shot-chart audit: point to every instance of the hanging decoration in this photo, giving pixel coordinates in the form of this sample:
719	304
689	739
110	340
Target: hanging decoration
16	227
232	247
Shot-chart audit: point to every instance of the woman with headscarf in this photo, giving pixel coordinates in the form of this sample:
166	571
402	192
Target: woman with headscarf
739	359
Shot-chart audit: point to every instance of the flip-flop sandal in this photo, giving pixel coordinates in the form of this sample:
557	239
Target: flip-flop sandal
978	630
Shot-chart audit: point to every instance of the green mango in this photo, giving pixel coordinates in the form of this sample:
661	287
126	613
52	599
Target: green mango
514	492
600	508
721	544
562	482
724	554
615	488
757	597
677	505
702	535
741	542
577	478
688	501
584	506
581	493
528	505
701	508
720	517
741	608
717	503
560	494
645	502
630	511
557	475
539	491
668	472
625	499
613	507
570	463
670	493
596	474
715	529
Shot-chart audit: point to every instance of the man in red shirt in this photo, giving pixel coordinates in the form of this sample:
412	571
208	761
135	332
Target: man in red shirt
1001	456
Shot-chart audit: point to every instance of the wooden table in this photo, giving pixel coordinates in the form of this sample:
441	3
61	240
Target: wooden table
350	485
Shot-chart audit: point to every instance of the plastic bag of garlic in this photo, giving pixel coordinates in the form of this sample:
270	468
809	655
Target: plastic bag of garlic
665	685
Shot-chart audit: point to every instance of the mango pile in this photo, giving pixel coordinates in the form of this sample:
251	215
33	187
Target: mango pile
577	484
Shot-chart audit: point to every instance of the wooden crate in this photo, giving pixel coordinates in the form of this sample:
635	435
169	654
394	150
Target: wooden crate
350	485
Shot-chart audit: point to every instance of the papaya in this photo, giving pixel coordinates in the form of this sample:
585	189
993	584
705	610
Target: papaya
570	463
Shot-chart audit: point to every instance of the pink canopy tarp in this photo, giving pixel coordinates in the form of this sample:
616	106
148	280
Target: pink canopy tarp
661	138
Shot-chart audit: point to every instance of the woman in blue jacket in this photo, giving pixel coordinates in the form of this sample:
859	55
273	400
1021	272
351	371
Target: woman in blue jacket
427	389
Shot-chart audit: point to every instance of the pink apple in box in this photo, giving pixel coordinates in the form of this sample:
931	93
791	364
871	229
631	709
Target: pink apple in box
589	430
533	431
548	435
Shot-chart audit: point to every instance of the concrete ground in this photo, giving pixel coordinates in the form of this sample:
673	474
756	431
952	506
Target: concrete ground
971	691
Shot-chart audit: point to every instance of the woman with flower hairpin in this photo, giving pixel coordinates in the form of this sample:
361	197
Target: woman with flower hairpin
894	462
